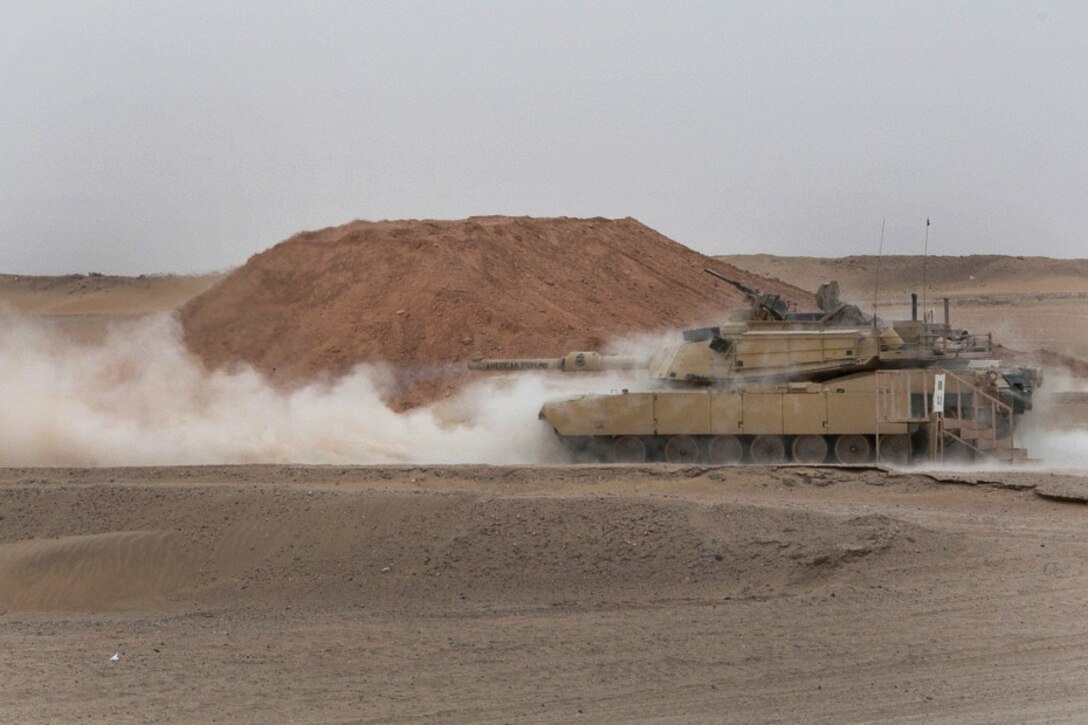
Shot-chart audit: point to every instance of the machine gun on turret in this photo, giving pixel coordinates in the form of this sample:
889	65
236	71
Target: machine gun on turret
764	306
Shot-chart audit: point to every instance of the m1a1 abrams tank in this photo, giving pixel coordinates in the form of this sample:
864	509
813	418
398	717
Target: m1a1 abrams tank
774	385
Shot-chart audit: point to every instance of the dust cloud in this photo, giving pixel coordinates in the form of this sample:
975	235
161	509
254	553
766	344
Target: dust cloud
1055	434
1066	449
138	397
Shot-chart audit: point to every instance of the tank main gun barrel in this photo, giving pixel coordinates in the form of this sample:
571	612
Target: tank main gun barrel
573	362
548	363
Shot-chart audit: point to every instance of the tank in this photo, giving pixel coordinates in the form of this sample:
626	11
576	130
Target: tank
775	385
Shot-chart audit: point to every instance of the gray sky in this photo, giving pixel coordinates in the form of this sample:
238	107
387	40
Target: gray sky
142	136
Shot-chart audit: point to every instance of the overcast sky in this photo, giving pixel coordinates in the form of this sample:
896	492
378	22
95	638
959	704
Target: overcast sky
142	136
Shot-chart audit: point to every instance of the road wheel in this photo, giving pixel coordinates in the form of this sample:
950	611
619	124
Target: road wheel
682	449
725	450
591	449
809	449
768	449
628	449
852	449
895	450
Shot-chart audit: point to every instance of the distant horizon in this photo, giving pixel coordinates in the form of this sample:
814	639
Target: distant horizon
227	270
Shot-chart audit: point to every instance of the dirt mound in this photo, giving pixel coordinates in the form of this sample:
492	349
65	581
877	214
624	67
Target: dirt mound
427	295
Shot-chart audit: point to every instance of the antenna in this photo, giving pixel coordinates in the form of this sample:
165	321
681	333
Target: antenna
925	259
879	255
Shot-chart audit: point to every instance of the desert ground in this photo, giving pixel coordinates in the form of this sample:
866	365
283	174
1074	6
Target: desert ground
488	594
317	594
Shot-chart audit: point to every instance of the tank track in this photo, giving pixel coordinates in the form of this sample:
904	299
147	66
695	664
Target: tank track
850	449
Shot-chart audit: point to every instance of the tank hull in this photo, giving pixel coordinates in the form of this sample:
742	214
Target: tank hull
844	421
